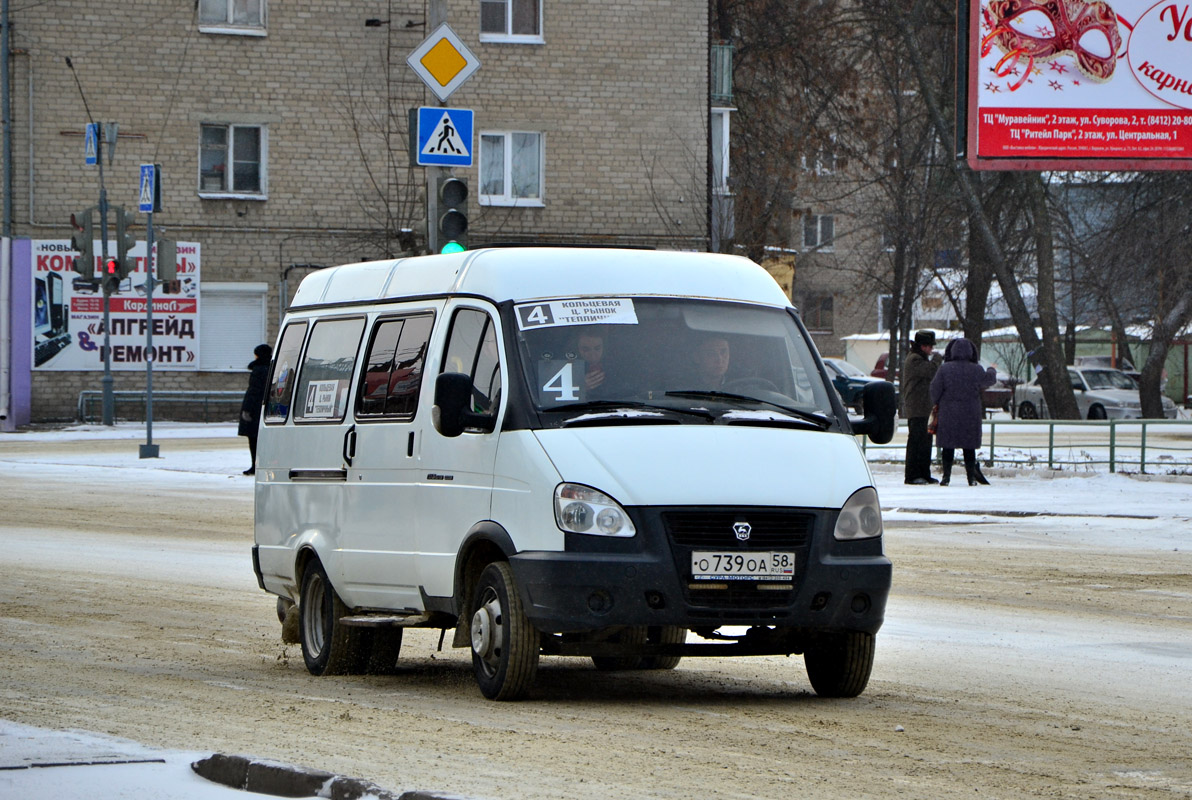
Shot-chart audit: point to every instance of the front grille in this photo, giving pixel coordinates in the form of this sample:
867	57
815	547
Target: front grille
715	528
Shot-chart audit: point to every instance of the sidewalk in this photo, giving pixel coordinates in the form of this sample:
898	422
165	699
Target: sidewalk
38	764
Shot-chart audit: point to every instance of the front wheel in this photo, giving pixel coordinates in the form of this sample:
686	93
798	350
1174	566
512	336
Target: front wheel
839	665
1097	412
666	634
1027	410
505	644
328	647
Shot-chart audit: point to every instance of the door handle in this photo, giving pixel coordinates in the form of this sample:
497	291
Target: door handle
350	445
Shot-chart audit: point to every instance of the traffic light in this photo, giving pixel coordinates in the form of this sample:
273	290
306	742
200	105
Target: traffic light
453	215
111	275
126	240
167	260
82	241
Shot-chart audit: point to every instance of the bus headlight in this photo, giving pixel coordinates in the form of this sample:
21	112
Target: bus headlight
582	509
861	517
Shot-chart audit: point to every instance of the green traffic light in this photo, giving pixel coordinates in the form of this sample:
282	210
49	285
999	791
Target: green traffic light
452	247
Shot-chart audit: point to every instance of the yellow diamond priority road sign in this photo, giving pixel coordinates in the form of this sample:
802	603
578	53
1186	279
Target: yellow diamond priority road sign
443	61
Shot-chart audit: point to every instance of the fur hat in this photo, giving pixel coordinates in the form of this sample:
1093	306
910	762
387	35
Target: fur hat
925	338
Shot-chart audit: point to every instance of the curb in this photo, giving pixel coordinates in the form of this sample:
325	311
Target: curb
284	780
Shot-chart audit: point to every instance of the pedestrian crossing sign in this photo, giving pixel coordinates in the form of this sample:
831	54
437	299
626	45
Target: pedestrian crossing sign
444	137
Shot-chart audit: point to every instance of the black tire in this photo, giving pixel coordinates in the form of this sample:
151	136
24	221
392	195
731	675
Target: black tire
839	665
1097	412
1026	410
328	648
636	635
505	644
382	655
665	634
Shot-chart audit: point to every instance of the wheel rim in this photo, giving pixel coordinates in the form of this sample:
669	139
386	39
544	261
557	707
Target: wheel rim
488	635
312	620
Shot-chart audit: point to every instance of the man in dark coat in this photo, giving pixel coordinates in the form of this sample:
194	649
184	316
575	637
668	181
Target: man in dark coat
254	398
917	371
956	389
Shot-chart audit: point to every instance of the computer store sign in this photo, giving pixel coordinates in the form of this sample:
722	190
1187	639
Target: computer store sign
68	331
1080	84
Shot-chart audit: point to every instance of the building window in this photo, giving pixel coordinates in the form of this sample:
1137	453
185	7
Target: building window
885	312
816	310
720	149
230	317
232	160
819	231
821	160
246	17
511	164
511	21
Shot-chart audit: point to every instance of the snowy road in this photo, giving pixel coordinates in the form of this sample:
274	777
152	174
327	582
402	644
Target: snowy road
1038	643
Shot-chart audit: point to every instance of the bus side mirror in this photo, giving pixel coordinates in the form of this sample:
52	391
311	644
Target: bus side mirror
880	406
453	414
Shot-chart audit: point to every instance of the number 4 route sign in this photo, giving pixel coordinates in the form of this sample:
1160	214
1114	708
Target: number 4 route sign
444	137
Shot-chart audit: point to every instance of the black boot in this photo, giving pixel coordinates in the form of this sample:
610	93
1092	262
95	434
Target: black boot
973	469
946	463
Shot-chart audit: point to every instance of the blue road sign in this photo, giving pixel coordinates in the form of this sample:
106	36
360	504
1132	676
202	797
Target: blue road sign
91	144
445	137
148	193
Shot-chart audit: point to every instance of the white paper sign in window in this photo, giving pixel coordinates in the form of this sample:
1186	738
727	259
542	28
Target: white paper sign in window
579	311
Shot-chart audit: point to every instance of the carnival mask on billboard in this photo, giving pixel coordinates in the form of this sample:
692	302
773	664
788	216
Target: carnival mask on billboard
1086	30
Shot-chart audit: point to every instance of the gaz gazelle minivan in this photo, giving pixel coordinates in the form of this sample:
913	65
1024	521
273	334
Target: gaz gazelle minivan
628	455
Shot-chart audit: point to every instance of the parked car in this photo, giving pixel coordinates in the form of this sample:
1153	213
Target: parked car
1101	393
850	381
879	369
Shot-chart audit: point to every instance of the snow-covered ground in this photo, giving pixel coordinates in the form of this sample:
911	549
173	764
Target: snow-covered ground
1088	509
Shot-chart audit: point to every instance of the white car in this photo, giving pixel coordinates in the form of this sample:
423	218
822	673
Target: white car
1101	393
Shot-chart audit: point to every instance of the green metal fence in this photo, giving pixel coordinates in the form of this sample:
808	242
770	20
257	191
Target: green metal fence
1135	445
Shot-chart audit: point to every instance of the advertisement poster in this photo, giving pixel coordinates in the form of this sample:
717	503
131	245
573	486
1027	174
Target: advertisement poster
1073	84
68	313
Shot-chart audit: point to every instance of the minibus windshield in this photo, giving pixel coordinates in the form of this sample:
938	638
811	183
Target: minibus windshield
681	358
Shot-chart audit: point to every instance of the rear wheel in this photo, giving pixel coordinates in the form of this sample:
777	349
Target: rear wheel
1027	410
386	647
505	644
839	665
634	636
665	634
328	646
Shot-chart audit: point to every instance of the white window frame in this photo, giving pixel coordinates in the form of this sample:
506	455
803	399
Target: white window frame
720	121
230	193
820	245
506	198
823	160
231	28
507	36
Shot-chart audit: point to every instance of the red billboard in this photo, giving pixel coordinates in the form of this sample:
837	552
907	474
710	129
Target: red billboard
1079	84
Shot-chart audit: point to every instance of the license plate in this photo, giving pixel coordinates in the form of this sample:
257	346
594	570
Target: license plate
707	565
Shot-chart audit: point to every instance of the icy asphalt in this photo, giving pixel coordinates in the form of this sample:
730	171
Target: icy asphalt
38	764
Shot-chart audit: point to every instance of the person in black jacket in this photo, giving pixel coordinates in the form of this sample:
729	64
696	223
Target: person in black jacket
917	372
254	398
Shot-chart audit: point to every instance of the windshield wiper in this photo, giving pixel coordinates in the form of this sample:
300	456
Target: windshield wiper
818	419
613	405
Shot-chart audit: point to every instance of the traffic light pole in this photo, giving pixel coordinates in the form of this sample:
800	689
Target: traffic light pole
109	401
149	449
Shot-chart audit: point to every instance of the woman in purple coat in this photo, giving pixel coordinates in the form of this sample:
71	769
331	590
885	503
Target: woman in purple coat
956	389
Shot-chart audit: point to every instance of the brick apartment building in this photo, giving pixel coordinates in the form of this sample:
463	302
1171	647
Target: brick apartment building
282	138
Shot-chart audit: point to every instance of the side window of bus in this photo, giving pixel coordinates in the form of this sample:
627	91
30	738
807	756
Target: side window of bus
472	349
326	374
285	366
393	368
